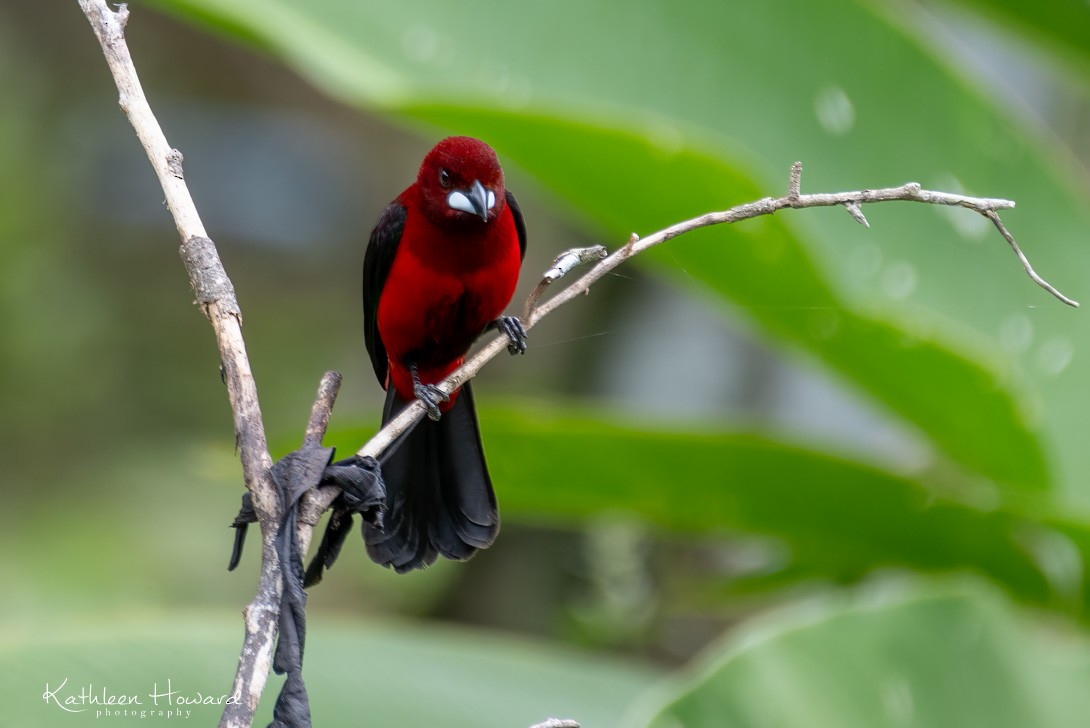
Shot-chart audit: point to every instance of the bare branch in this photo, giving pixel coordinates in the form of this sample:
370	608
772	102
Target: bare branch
852	201
322	409
994	217
216	297
316	500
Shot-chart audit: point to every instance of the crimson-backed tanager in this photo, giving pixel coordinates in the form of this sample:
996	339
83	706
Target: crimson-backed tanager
440	268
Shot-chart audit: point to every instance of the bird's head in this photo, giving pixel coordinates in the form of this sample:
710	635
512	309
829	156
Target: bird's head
461	182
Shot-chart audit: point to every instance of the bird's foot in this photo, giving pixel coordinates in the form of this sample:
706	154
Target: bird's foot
429	394
515	331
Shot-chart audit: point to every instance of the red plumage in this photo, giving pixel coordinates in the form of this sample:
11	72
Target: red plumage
441	266
453	273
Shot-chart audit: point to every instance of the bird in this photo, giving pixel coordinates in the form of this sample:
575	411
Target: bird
441	266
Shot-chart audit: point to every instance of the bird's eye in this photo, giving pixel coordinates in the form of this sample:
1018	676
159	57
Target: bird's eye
444	178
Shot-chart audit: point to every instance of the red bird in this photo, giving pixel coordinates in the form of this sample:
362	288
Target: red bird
441	266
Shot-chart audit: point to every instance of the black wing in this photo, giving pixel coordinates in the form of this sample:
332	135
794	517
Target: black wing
520	224
381	249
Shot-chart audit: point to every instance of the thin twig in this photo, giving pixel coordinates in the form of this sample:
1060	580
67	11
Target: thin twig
910	192
994	217
322	409
794	181
534	312
316	500
216	298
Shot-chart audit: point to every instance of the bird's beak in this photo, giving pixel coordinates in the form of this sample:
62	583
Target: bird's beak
477	200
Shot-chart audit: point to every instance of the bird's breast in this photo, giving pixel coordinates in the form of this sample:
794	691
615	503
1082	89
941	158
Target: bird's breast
434	305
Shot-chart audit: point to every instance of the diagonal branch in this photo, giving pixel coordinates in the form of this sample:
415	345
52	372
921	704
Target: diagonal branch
994	217
533	312
911	192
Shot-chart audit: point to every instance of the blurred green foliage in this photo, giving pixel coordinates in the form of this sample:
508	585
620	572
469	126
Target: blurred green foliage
389	673
647	534
875	660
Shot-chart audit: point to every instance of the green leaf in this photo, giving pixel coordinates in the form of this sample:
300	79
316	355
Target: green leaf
663	111
1061	26
840	520
377	674
923	658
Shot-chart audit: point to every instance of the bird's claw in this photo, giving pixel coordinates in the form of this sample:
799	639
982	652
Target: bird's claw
516	333
431	396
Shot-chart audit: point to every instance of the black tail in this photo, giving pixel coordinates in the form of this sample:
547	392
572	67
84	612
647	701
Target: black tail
439	498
